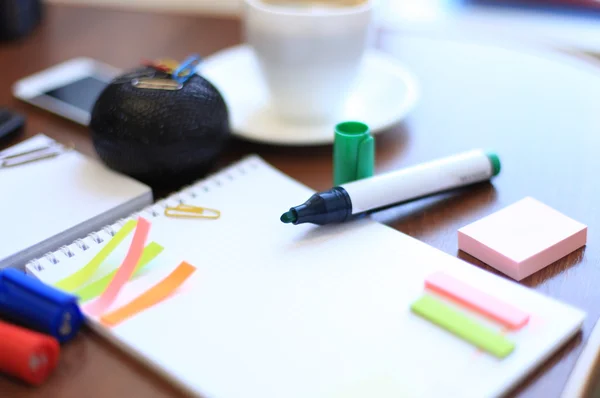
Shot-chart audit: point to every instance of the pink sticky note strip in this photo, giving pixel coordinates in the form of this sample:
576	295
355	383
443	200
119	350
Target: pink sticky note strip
124	272
490	306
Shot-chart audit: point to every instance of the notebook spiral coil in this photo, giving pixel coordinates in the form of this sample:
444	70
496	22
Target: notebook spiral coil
155	210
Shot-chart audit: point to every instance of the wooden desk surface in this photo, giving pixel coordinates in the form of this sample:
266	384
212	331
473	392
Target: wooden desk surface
539	110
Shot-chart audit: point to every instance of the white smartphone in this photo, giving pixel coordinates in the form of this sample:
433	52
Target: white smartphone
69	89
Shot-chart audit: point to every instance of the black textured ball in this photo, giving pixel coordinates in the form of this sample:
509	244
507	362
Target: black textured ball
160	137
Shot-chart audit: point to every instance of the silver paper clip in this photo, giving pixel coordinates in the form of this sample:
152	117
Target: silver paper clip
32	155
157	84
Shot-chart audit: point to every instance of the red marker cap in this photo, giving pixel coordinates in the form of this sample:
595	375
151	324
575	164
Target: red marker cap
27	355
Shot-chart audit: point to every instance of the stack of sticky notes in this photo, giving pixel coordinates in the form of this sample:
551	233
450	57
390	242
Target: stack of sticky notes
522	238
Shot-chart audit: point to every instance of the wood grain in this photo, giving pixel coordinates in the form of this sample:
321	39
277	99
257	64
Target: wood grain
584	377
539	110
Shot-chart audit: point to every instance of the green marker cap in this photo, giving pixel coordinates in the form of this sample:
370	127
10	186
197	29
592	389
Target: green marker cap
495	161
353	152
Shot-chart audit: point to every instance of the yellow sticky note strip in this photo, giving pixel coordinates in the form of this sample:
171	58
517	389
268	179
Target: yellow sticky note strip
72	282
94	289
150	297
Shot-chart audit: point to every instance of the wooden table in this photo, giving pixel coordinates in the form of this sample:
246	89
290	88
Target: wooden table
539	110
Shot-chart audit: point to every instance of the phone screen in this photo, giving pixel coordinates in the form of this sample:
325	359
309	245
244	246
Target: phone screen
80	93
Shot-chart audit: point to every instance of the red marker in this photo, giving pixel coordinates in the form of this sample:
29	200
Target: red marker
27	355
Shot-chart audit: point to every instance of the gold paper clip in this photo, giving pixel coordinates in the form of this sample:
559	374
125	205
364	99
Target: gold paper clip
32	155
187	211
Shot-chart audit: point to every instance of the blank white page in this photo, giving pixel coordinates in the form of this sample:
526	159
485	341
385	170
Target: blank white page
42	199
278	310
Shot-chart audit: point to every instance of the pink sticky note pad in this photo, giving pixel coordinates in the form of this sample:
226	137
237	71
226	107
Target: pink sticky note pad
522	238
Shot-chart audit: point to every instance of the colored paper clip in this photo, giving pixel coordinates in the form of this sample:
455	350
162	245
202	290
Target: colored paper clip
184	71
165	65
32	155
155	66
158	68
157	84
187	211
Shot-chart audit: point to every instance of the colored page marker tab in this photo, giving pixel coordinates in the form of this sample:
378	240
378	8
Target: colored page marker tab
94	289
490	306
150	297
462	326
79	278
124	272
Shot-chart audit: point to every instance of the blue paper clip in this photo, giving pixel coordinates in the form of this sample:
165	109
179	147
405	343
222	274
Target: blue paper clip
186	69
28	302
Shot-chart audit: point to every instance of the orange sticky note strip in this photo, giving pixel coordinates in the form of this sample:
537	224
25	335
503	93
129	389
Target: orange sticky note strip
150	297
124	272
478	300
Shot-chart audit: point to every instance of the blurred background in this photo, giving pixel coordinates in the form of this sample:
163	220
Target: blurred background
565	24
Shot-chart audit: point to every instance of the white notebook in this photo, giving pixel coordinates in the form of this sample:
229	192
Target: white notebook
51	202
275	310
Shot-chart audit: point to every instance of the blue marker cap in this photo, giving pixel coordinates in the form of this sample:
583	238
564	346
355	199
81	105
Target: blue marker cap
26	301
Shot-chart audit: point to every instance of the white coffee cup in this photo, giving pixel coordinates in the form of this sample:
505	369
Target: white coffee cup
309	53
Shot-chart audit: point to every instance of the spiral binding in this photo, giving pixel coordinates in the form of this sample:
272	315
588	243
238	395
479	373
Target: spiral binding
155	210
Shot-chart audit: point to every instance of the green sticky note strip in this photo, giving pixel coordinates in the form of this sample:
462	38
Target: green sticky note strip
79	278
462	326
94	289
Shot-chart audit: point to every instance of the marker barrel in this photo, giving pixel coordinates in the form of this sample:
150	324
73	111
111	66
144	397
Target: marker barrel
30	303
420	181
348	200
27	355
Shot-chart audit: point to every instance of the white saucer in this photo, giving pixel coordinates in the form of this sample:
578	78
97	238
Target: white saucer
384	94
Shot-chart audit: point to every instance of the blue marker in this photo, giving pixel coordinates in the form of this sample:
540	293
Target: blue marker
28	302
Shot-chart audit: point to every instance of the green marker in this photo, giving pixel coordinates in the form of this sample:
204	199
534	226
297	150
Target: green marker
345	201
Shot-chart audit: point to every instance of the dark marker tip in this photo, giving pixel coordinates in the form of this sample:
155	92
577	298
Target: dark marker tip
288	217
